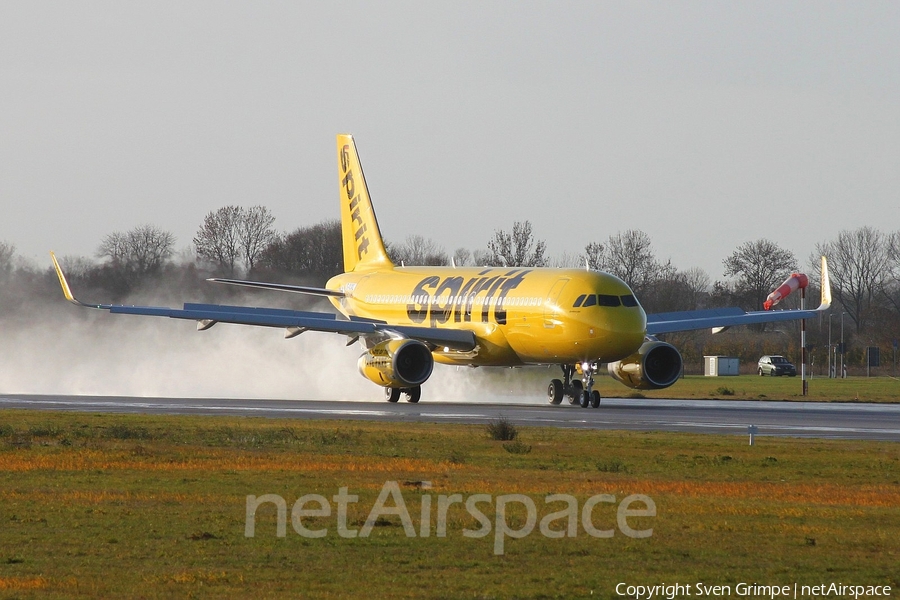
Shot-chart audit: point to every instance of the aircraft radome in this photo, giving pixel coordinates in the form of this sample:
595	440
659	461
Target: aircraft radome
408	318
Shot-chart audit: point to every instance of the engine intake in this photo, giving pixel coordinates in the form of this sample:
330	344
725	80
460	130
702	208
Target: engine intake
397	364
656	365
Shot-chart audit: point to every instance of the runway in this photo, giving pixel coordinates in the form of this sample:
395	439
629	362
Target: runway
796	419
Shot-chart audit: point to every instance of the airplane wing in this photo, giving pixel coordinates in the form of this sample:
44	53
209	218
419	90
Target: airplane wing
719	318
280	287
293	321
722	318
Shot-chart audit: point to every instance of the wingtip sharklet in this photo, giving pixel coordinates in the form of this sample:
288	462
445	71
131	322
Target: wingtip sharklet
67	291
64	284
826	287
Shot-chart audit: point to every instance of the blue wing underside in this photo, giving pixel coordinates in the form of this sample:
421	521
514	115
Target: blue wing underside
719	317
210	314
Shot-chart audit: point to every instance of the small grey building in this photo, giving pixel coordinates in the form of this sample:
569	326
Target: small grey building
715	366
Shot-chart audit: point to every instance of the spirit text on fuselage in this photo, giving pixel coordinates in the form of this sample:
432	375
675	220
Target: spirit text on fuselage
441	299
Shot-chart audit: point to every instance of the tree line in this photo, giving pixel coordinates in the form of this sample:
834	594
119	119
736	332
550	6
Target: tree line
236	241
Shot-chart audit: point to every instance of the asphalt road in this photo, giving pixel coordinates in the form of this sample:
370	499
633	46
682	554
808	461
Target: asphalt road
799	419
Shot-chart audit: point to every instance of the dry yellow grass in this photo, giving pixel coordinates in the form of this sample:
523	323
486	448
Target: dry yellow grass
221	459
23	583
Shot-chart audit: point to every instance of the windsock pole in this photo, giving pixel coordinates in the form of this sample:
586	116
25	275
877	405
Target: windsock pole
794	282
804	383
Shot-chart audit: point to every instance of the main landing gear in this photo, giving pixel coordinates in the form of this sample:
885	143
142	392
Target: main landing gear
581	391
412	394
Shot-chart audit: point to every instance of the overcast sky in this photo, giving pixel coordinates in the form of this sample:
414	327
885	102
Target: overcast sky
703	124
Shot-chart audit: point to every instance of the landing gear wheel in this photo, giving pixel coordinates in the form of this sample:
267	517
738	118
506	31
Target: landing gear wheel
555	391
391	394
595	399
413	394
585	399
575	394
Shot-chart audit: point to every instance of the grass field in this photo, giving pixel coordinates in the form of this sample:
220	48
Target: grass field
150	506
753	387
741	387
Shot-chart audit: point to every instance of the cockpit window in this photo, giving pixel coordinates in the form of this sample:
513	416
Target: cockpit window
629	300
585	300
609	300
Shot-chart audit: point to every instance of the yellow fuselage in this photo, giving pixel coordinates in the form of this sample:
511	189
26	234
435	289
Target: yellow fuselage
518	315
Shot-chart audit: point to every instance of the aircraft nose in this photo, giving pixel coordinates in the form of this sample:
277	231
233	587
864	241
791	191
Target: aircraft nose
616	334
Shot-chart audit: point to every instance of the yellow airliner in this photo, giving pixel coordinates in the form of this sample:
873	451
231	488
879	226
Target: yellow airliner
408	318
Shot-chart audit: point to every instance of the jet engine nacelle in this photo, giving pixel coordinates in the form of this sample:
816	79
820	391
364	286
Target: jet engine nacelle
397	364
656	365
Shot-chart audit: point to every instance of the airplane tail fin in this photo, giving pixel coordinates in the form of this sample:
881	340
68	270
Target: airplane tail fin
363	245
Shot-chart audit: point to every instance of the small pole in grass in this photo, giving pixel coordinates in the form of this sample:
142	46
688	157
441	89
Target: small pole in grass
752	430
804	357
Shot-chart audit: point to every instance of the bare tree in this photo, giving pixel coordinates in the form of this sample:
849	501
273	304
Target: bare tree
315	251
255	232
594	255
698	282
567	260
79	267
114	247
218	239
461	257
894	249
151	247
759	267
677	290
141	251
7	255
482	258
859	265
629	256
517	248
418	251
891	288
327	254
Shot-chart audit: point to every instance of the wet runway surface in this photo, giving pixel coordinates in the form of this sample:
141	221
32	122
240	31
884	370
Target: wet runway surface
799	419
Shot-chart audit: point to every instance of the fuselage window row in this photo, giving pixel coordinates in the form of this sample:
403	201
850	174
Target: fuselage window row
425	299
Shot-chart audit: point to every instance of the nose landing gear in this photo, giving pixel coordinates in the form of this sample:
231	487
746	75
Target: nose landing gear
580	391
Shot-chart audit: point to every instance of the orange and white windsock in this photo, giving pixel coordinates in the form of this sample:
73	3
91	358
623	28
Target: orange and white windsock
795	281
